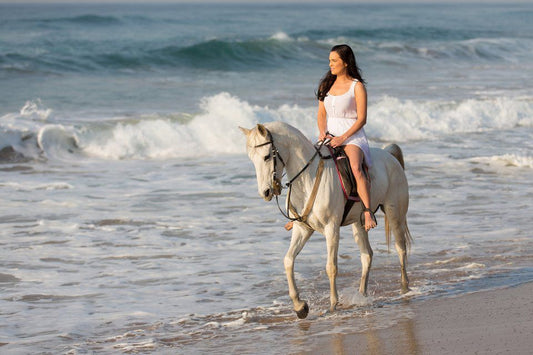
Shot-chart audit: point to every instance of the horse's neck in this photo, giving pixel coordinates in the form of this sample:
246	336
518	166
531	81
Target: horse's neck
299	152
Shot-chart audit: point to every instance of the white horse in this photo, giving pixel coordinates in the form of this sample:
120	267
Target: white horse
276	146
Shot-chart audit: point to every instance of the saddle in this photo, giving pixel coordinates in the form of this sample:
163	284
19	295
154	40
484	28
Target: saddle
346	178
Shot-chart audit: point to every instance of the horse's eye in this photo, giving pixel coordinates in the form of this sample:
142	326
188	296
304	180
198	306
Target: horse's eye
267	157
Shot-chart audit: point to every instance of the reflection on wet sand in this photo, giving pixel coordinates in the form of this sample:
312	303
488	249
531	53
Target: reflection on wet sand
375	342
359	333
428	327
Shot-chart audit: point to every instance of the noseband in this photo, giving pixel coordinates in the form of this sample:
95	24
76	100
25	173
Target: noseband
274	153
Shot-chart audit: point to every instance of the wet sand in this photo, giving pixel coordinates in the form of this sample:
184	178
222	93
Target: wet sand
487	322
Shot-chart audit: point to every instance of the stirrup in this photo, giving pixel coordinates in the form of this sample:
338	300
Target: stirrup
362	216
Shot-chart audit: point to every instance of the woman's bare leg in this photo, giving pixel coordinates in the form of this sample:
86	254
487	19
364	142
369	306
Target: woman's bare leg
356	155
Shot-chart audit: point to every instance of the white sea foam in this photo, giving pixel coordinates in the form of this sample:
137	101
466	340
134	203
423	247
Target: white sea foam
42	186
351	296
35	110
472	266
237	322
281	36
57	141
214	130
284	37
405	120
507	160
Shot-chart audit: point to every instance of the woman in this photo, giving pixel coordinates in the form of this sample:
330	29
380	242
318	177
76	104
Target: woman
342	115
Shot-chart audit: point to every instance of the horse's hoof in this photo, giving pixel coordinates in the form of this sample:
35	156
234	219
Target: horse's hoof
302	313
405	289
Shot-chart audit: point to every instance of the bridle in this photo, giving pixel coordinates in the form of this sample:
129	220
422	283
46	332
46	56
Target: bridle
274	154
276	182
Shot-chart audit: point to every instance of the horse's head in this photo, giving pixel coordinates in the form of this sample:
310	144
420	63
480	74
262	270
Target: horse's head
266	159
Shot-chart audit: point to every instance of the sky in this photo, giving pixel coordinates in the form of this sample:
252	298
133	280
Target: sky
263	1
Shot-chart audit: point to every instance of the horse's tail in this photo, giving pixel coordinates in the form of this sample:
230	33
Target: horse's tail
406	234
396	152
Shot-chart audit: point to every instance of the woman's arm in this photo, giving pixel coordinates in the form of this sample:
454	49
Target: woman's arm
360	102
321	121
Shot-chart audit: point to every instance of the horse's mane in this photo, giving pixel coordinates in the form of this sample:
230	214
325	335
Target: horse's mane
283	129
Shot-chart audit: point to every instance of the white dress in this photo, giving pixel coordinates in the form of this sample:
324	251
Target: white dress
341	115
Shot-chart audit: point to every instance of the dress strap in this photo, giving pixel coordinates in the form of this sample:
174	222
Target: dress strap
352	87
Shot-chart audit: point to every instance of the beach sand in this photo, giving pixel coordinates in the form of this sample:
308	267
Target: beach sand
487	322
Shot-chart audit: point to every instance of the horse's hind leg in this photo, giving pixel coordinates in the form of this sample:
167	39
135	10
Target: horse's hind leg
361	238
401	247
299	237
402	238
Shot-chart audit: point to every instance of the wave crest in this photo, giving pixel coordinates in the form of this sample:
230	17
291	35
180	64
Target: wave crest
226	55
214	130
405	120
278	50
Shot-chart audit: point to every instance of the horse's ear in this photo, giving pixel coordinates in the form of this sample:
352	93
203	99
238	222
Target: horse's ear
246	131
262	130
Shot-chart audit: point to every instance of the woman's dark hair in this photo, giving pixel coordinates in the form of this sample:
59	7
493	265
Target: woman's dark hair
345	52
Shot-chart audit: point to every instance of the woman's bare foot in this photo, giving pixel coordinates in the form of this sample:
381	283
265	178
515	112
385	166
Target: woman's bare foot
370	220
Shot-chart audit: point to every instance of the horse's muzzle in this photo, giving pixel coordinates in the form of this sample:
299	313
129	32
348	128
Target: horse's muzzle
269	193
275	190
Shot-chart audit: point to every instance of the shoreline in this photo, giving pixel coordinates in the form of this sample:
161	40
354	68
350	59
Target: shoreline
486	322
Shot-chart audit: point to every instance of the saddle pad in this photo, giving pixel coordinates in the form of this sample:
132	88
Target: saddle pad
345	174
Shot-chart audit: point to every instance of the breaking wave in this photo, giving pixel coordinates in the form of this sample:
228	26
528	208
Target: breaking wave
32	133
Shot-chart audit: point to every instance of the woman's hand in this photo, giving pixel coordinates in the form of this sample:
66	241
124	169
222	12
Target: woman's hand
322	136
337	141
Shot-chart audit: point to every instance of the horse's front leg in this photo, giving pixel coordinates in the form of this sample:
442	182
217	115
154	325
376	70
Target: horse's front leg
332	241
300	236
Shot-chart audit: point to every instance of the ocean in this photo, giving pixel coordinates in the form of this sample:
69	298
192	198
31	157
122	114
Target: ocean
130	219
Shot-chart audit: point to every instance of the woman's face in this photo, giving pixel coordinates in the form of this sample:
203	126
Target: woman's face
336	65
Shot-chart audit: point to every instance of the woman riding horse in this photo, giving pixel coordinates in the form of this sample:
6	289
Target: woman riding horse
341	116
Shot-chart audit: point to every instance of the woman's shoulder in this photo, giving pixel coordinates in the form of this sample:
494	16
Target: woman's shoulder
359	88
357	83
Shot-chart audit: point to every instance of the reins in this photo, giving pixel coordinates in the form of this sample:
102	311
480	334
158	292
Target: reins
310	202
